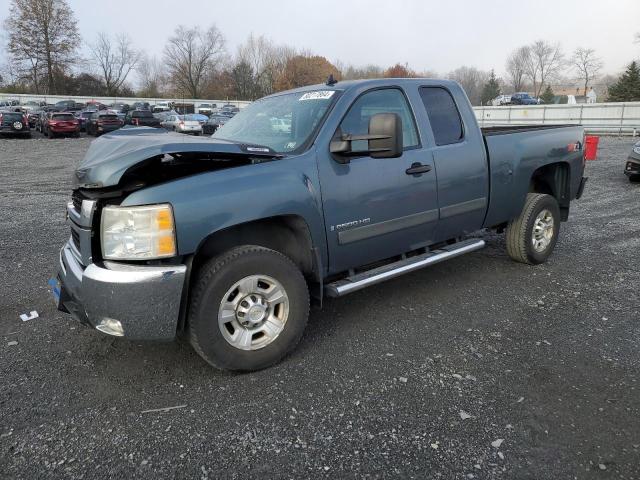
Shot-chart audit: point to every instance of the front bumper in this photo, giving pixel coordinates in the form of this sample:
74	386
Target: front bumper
632	166
135	301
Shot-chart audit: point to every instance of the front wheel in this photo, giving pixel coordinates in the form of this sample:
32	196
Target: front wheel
532	236
249	308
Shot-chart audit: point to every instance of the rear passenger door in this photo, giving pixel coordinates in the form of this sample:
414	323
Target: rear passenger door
460	162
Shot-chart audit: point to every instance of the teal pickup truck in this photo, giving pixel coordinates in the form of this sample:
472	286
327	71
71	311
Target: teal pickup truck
318	191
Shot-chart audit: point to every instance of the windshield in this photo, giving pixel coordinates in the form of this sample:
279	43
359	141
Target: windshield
283	123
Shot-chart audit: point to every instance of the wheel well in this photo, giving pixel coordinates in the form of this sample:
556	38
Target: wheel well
288	234
554	180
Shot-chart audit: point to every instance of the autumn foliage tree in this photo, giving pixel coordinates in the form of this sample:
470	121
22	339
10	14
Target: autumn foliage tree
302	70
399	71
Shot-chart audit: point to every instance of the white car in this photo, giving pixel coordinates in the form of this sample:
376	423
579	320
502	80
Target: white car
206	108
182	124
161	107
501	100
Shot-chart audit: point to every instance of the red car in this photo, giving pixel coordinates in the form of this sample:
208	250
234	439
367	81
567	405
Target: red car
61	124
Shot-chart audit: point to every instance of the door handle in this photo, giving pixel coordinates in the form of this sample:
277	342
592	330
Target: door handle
417	168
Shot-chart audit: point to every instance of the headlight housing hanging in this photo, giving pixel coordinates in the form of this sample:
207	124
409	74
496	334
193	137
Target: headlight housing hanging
138	233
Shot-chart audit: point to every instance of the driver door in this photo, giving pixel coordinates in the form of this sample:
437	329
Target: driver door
374	208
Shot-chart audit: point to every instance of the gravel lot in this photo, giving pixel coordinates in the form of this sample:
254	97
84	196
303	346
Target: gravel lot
474	368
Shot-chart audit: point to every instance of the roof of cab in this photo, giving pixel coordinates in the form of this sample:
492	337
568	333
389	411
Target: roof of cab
344	85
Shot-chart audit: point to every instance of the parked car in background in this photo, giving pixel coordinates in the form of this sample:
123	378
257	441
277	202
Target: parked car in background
95	105
228	110
161	107
42	117
120	107
523	98
182	124
198	117
142	106
501	100
83	117
14	123
214	123
66	106
103	122
141	118
32	117
61	123
206	108
30	106
632	168
162	116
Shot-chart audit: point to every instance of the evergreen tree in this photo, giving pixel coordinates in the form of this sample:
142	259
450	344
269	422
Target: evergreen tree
627	88
490	90
548	95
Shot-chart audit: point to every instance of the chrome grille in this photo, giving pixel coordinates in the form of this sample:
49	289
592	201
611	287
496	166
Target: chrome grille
76	198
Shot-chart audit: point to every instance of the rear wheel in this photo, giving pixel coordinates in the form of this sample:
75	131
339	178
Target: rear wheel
249	308
634	178
532	236
50	134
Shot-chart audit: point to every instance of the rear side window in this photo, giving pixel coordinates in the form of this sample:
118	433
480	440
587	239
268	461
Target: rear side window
443	115
12	117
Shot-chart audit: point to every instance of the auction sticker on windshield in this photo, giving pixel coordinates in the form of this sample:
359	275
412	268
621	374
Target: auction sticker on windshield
318	95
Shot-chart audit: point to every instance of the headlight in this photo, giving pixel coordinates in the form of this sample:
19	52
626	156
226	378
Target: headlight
138	233
636	149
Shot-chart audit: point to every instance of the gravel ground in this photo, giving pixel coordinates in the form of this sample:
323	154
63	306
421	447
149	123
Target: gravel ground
474	368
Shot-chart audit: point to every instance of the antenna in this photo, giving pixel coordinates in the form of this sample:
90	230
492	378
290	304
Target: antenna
331	81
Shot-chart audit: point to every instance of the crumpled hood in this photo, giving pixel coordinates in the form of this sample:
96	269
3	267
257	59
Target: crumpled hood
111	155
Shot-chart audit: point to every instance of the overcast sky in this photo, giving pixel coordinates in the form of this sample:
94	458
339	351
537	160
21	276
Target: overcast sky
434	35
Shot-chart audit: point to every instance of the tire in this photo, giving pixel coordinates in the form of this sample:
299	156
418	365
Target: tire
520	231
217	280
49	133
634	178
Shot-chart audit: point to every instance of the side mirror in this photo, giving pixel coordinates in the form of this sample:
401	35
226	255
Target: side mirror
384	139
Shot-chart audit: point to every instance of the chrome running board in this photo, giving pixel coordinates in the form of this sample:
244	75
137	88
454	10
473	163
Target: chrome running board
392	270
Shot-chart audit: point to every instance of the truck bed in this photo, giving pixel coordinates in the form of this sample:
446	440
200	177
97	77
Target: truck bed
515	152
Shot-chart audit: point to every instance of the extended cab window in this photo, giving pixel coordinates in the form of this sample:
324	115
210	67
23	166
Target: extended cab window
443	115
388	100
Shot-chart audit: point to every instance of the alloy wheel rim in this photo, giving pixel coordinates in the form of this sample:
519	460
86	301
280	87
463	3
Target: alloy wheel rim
542	231
253	312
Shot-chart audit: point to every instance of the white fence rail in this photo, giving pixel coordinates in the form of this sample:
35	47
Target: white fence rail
609	118
24	98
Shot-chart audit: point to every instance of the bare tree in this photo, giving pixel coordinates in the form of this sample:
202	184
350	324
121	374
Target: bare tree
259	58
150	76
543	64
43	38
472	81
191	55
517	64
586	65
114	59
